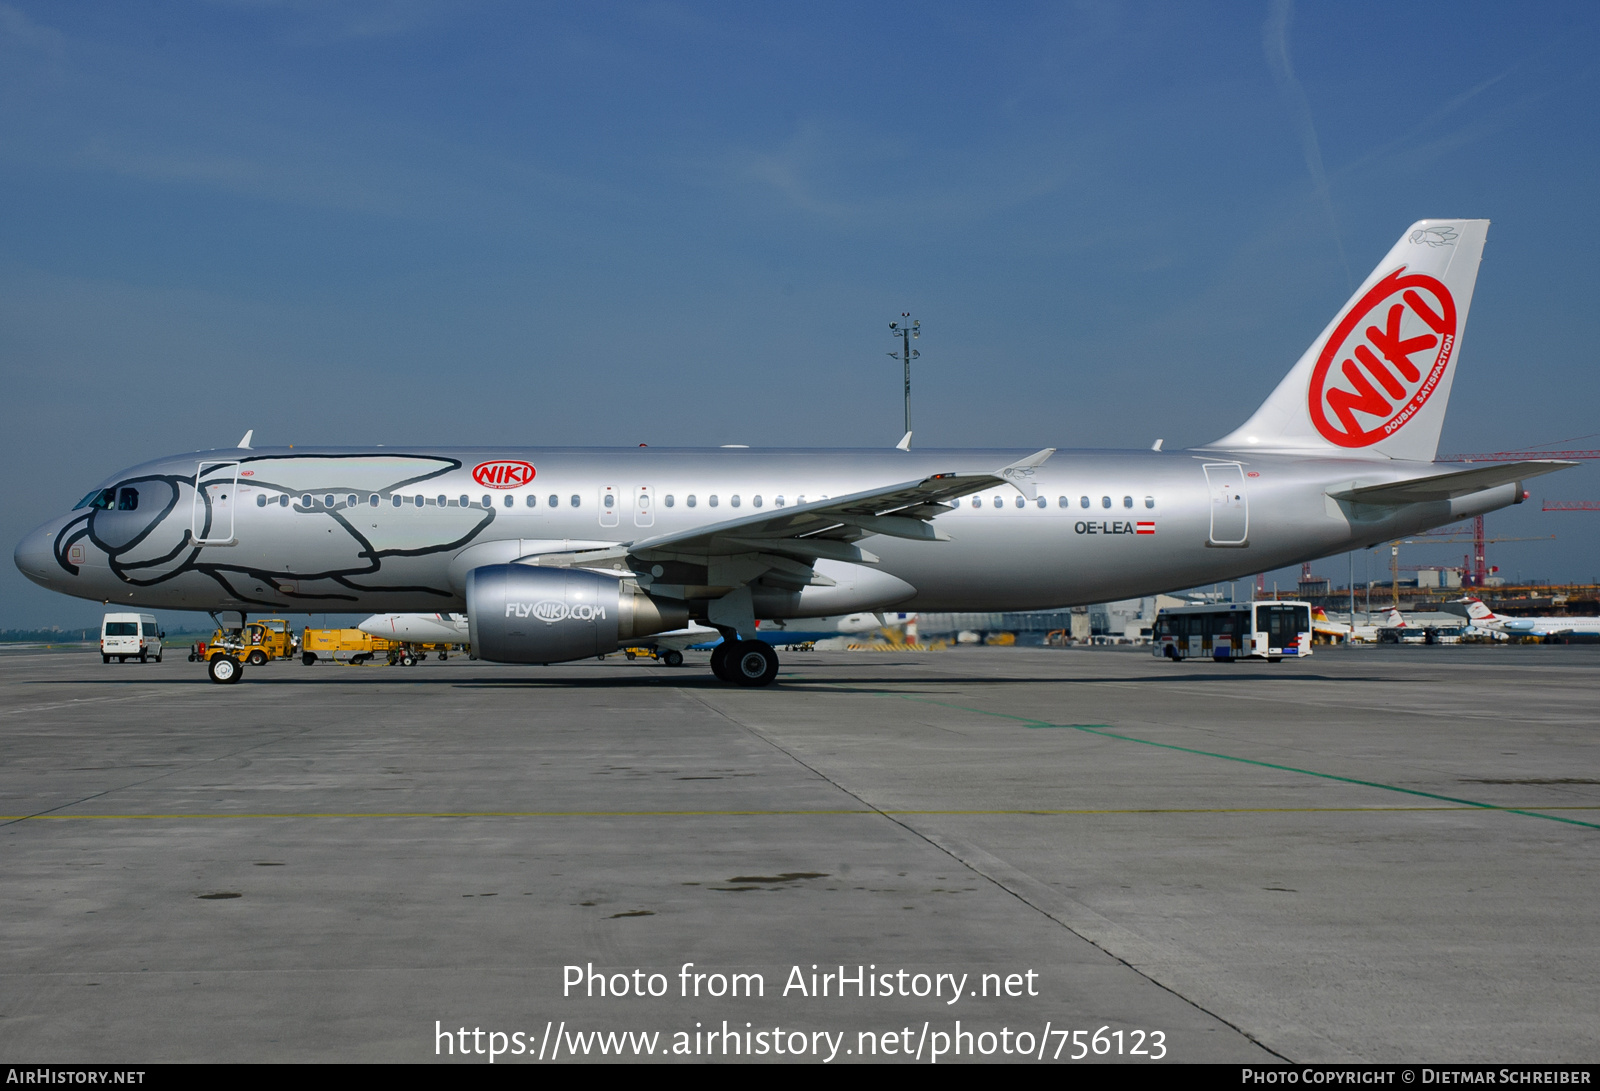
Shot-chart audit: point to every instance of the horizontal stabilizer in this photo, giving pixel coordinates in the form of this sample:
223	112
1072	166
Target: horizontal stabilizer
1448	486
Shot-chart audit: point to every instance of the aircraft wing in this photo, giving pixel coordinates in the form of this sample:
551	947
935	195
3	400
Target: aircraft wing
1451	485
819	529
827	528
781	545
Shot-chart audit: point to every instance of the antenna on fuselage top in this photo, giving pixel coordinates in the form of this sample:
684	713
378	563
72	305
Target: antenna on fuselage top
244	444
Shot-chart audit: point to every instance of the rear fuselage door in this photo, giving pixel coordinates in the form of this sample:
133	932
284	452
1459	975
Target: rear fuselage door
215	484
1230	507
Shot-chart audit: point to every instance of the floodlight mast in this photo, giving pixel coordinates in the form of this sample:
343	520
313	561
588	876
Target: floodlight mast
906	331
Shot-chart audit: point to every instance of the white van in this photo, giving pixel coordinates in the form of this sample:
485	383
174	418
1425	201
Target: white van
130	635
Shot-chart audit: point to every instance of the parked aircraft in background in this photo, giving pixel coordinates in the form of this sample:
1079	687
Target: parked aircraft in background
1321	623
419	628
566	553
1485	618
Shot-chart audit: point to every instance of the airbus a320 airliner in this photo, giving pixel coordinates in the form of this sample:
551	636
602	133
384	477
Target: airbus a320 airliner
564	553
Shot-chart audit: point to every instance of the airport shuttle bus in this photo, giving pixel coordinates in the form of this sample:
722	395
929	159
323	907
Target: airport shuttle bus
1235	630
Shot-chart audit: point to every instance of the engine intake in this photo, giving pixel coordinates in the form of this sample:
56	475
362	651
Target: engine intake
525	614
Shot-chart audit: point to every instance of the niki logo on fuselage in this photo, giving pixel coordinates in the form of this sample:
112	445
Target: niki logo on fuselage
504	474
550	611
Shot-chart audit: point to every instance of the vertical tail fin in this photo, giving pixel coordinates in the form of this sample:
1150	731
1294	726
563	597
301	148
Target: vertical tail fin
1477	611
1377	380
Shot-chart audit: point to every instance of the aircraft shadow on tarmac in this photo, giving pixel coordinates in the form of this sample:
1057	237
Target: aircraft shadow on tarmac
704	680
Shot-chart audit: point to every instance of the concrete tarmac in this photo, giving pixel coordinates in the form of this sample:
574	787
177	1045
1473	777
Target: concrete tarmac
1375	854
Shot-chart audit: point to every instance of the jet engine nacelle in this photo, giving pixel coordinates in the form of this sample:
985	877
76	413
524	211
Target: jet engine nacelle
525	614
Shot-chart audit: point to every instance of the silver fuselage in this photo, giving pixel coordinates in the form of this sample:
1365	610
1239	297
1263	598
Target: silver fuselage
320	529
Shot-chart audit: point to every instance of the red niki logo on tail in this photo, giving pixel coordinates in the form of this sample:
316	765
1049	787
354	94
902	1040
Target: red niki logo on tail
503	475
1377	376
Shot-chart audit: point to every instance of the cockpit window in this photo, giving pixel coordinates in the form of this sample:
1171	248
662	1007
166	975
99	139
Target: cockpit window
128	500
99	500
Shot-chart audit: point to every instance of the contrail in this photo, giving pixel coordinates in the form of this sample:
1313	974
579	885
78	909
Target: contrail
1275	40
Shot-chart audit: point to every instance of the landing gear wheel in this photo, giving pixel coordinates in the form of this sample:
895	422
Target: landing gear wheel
308	658
225	669
753	663
719	661
673	658
256	658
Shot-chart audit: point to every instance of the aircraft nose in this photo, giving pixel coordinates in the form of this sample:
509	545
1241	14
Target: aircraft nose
35	557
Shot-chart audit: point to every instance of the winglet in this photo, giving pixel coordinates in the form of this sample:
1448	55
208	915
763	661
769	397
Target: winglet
1020	472
905	443
244	444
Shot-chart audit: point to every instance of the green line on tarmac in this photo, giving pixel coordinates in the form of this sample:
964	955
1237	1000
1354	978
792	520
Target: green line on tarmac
1097	729
1033	811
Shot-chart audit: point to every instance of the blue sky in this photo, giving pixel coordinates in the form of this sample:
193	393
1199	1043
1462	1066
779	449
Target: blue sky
690	223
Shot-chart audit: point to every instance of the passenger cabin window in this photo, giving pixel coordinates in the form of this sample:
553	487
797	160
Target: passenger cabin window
327	501
1065	503
777	501
691	500
999	502
669	500
374	499
305	500
398	500
1021	501
533	501
421	500
1127	501
261	501
444	501
734	499
1105	501
555	501
577	501
510	500
1043	502
610	500
713	499
756	500
1149	501
488	501
976	502
1083	502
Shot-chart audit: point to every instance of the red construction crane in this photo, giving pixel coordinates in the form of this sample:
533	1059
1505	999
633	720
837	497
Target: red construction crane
1571	505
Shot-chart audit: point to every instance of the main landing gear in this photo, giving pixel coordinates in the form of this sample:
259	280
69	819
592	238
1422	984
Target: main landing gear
745	662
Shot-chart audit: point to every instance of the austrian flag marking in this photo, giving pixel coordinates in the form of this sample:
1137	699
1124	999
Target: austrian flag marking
1145	527
1384	360
503	475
